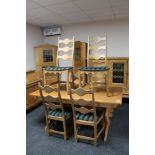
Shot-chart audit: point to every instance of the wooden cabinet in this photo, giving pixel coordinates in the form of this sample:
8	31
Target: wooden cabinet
80	55
31	86
45	56
80	59
118	74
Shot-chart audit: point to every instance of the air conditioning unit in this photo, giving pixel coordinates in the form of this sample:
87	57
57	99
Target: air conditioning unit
50	31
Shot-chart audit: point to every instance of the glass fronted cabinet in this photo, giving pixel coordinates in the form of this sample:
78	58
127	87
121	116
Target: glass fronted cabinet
119	73
80	54
45	56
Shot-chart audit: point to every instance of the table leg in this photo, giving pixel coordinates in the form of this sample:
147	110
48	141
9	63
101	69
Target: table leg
108	115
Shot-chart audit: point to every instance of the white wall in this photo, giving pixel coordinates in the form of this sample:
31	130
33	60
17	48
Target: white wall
33	38
117	33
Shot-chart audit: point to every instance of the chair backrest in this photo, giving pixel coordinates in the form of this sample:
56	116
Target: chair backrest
97	48
51	97
83	101
65	50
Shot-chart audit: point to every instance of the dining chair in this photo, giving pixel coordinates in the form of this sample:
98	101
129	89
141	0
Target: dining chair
54	110
97	69
65	55
85	114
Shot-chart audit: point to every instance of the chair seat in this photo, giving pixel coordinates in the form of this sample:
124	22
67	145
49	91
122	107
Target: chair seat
95	69
59	113
57	68
87	117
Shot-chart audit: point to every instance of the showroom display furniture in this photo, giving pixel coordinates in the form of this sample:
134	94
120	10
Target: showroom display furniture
31	86
45	56
118	73
97	49
101	100
85	113
80	59
54	110
65	52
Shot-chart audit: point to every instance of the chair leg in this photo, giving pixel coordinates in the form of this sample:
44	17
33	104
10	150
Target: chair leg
65	133
79	74
107	85
95	135
67	82
95	142
75	132
47	126
90	81
72	75
103	126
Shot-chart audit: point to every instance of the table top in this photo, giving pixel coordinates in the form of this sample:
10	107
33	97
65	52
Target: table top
101	99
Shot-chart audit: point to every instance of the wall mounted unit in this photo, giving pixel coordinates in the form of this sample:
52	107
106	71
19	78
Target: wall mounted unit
51	31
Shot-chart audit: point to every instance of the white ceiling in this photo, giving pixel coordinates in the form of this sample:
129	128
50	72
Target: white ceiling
53	12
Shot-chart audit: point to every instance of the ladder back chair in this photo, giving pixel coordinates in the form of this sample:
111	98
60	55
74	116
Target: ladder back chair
65	53
97	51
85	113
54	110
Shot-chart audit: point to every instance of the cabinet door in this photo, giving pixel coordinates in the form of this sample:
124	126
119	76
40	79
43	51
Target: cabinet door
48	56
118	73
45	56
79	56
31	100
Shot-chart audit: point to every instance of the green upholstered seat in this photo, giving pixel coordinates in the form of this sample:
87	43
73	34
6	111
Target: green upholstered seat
87	117
96	69
57	68
58	113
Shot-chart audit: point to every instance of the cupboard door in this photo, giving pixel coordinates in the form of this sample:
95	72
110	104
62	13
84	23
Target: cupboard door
118	73
31	100
79	56
46	56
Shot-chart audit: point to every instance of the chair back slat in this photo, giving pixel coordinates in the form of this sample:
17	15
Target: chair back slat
66	41
84	110
50	99
53	106
65	57
65	49
49	89
97	47
80	91
82	102
97	39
